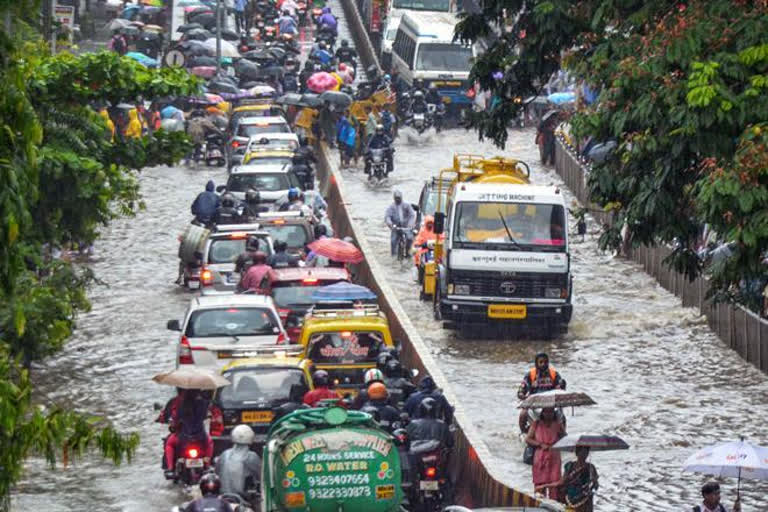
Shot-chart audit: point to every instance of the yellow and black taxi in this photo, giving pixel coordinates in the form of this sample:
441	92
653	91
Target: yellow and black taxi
345	343
261	382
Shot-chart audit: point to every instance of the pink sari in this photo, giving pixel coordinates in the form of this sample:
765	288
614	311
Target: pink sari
546	463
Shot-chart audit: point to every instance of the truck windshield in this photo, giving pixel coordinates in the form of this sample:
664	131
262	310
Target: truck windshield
423	5
267	384
517	225
345	347
443	57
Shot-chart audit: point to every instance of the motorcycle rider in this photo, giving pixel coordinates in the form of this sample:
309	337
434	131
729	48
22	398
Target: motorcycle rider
206	203
541	377
427	426
251	280
433	98
418	103
287	23
378	398
425	235
190	416
227	212
418	86
370	376
302	162
322	390
398	386
347	54
327	21
321	53
428	389
238	467
245	260
379	140
281	258
400	214
210	485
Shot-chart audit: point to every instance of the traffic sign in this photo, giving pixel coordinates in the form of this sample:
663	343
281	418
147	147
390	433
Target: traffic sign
174	59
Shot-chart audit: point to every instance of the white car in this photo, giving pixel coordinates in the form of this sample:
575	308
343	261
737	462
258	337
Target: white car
219	329
273	142
248	127
220	253
271	180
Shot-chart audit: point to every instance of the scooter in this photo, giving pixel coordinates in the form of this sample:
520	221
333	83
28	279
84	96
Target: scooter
214	150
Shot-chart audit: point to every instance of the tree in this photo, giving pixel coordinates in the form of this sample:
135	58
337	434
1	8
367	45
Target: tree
682	86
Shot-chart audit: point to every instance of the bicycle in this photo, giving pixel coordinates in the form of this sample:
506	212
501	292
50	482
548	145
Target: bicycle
402	249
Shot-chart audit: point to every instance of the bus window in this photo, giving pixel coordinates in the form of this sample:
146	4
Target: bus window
443	57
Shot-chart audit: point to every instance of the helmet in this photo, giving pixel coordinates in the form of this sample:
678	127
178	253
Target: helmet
377	391
432	86
228	201
387	78
541	355
428	408
293	194
321	45
321	230
252	197
210	484
418	94
320	378
379	128
243	434
419	82
344	43
373	375
394	368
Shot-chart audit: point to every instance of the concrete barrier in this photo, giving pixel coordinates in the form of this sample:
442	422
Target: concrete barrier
363	43
476	481
742	330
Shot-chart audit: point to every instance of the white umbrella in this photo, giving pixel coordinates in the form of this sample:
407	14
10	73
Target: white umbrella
736	459
191	378
227	48
118	23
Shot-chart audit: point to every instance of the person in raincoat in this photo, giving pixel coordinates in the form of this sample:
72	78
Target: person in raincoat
134	128
347	135
105	115
238	467
327	20
425	234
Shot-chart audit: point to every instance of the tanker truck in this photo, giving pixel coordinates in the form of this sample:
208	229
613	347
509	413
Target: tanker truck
330	460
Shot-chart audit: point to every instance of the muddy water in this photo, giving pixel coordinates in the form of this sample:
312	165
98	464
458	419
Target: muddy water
662	379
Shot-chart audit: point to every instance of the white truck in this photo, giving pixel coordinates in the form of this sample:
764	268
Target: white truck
505	259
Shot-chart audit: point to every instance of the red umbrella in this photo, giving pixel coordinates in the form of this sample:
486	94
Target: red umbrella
337	250
321	82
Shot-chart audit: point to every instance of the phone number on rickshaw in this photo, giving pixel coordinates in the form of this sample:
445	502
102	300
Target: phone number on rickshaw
331	493
326	480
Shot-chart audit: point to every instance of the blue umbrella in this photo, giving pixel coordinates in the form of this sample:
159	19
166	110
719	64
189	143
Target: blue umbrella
127	13
560	98
142	59
343	291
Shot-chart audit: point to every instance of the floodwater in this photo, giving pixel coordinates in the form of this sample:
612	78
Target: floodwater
661	379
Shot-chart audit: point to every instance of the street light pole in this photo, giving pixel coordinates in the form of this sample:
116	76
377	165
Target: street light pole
218	37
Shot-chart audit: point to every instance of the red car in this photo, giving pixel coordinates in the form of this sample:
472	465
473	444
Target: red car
292	288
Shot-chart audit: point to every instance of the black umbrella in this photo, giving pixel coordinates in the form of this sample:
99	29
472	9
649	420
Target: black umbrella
198	34
198	50
339	99
229	35
277	53
312	100
151	36
199	10
201	60
291	98
188	26
219	86
206	19
250	84
257	55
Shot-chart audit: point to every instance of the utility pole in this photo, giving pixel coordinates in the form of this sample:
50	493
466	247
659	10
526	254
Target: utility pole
218	37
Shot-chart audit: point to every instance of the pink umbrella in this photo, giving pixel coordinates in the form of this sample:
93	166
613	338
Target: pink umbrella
321	82
204	72
214	98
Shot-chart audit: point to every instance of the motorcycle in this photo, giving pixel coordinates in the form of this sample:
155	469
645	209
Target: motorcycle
376	164
436	115
214	150
434	489
190	465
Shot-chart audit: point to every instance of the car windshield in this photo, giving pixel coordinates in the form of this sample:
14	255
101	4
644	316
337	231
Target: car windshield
294	292
511	224
256	159
423	5
443	57
226	250
431	203
345	347
261	384
263	181
232	321
249	130
293	234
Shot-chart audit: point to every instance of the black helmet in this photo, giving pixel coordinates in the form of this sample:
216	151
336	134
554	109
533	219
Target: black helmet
428	408
252	197
419	82
321	230
210	484
394	368
344	43
320	378
228	201
382	360
252	243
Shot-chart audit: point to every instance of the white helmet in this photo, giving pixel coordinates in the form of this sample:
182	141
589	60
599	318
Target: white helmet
243	434
374	374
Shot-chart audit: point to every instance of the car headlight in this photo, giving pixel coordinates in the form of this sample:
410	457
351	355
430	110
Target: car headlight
461	289
450	289
552	293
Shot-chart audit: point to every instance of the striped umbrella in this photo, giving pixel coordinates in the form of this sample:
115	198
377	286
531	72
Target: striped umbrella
337	250
595	443
343	291
556	398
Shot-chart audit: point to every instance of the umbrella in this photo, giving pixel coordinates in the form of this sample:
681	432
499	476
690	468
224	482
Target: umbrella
560	98
290	98
337	98
155	3
125	106
337	250
129	11
556	398
188	26
197	34
549	114
312	100
214	98
153	28
201	61
321	82
222	86
599	153
203	71
206	19
189	3
227	48
142	59
262	91
191	378
118	23
230	35
735	460
196	10
343	291
595	443
137	24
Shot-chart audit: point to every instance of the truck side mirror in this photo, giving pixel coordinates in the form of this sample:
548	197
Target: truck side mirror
173	325
439	223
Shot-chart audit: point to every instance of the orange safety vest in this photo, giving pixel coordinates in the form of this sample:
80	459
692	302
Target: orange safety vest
533	374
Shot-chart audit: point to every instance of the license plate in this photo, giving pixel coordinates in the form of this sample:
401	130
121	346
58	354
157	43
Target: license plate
194	463
233	278
518	311
193	285
257	416
429	485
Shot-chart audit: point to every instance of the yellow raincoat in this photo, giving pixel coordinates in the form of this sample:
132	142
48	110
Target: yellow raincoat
133	129
105	115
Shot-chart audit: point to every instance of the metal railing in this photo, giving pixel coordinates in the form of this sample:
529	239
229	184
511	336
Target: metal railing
740	329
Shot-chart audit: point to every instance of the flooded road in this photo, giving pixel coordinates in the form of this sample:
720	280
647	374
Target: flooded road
661	378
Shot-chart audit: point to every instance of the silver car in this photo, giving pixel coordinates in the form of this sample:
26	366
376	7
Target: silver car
217	330
220	254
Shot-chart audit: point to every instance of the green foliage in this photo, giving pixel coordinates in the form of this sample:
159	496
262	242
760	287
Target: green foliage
680	82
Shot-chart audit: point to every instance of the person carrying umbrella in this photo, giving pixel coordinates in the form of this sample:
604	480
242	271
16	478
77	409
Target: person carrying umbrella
579	482
710	492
